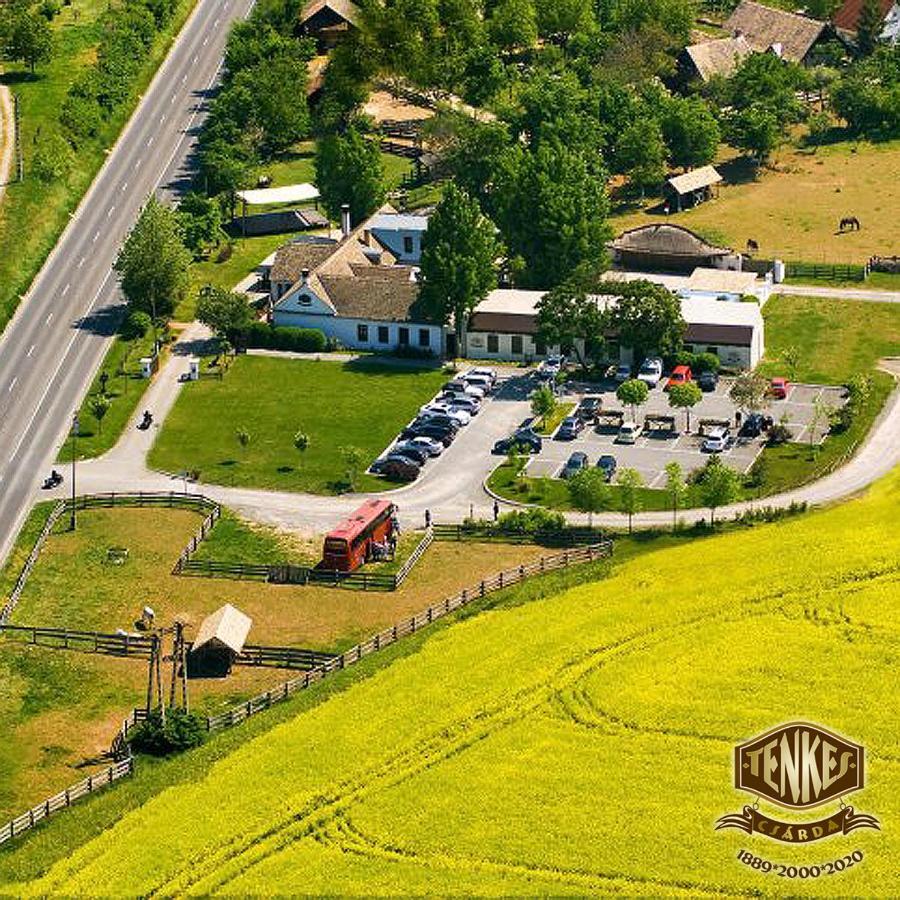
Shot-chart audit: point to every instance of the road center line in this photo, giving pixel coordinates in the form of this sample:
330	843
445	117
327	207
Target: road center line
65	290
12	384
30	350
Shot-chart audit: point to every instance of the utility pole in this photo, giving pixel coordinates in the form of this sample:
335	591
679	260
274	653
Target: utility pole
74	454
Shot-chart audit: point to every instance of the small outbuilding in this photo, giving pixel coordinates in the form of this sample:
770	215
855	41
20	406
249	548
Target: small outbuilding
328	21
710	59
788	35
663	247
220	639
692	188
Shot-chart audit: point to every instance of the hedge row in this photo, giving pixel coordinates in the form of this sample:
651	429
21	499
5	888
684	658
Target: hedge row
265	337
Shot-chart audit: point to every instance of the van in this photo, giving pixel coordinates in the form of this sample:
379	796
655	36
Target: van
680	375
629	432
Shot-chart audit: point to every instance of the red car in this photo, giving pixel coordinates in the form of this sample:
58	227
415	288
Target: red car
779	388
680	375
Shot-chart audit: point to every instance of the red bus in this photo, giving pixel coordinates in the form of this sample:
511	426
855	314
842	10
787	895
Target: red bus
349	545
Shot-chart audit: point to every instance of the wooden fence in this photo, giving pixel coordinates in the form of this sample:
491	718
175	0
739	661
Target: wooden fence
281	657
66	798
243	711
825	271
564	537
84	641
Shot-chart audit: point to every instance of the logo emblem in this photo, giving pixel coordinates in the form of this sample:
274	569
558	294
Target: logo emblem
799	766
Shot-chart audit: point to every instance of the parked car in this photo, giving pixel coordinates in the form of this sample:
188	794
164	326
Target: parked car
474	379
570	428
588	408
458	386
717	439
778	388
575	463
442	433
437	418
680	375
553	364
464	401
380	465
622	373
408	449
457	413
651	371
483	371
398	469
431	446
752	426
607	465
708	381
629	432
524	437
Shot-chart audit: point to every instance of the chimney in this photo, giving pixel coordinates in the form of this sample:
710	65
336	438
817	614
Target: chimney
304	277
345	220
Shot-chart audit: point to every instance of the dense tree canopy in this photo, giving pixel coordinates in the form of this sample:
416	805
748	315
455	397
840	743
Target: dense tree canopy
647	318
349	170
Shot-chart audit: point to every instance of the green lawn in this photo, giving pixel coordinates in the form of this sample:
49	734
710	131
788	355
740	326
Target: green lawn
553	420
360	404
124	388
33	214
836	338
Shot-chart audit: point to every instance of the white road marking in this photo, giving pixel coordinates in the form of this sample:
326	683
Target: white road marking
110	211
12	384
150	141
174	96
162	118
81	262
30	350
96	235
124	187
49	317
65	290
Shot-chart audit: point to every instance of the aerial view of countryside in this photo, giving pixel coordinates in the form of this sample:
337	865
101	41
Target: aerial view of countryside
449	448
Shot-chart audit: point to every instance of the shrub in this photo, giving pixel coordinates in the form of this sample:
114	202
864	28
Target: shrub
136	325
779	434
297	340
180	731
529	521
705	362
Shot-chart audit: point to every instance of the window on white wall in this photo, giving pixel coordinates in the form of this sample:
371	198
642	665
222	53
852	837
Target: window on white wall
362	333
407	244
516	344
424	337
383	337
493	343
403	336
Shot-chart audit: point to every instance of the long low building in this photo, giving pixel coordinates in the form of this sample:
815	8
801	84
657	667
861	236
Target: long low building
504	328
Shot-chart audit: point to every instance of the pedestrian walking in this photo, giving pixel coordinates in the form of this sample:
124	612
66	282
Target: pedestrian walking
428	518
496	510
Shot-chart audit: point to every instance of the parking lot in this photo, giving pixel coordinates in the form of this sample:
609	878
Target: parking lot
655	449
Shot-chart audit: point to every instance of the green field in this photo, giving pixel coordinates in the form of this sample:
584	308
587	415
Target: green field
360	404
33	214
585	745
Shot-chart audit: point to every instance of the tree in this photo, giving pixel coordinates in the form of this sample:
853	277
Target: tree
685	396
866	95
869	27
630	482
647	317
691	132
750	391
568	318
677	488
27	36
458	260
633	393
589	492
53	158
513	24
154	264
719	487
225	312
552	209
99	404
201	221
543	403
560	19
354	460
349	170
755	131
791	357
641	154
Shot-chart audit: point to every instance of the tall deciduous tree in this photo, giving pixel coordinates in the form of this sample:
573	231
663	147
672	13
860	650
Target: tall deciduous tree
568	318
225	312
26	35
154	264
685	396
459	253
633	393
719	487
676	487
869	26
589	492
513	24
552	210
641	154
647	317
630	482
349	170
749	391
691	132
543	403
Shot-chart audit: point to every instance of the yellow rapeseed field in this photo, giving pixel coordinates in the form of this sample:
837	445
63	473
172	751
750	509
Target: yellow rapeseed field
580	744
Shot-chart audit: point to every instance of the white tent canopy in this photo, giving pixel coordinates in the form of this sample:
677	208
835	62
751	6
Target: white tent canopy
290	193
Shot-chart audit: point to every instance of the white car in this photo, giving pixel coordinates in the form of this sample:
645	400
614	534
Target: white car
629	432
445	409
717	439
426	445
463	401
464	389
622	373
651	371
483	382
487	373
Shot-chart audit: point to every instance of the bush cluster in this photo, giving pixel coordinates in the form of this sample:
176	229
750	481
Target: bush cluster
181	730
529	521
298	340
698	362
127	34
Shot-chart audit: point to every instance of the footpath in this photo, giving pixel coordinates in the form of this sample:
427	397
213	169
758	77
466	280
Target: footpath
7	137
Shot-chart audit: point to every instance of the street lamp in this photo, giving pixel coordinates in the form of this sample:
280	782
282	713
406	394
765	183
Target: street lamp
74	450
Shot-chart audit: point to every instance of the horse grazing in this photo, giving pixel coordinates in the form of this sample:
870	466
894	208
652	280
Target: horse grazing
752	246
850	222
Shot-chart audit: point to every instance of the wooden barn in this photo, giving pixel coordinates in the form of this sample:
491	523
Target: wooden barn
788	35
220	639
328	21
710	59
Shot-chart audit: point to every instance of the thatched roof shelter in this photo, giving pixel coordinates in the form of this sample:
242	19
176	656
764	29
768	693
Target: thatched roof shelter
665	248
220	638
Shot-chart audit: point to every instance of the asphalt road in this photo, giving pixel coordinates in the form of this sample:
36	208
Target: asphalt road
57	340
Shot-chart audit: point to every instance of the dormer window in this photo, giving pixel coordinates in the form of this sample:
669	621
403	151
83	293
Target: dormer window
407	244
304	299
